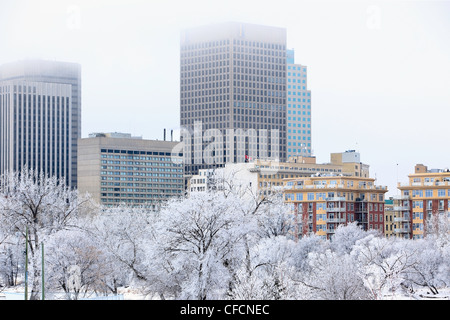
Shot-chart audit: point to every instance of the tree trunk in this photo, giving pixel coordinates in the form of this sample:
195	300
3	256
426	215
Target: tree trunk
36	285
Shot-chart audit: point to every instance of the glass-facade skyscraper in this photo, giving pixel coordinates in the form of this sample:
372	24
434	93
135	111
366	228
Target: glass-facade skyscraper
40	117
298	109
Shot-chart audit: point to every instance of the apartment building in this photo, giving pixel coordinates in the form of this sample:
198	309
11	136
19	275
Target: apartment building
397	222
426	194
323	202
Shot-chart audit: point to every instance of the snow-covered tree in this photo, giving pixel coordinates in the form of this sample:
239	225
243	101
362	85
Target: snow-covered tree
346	235
274	218
36	206
271	272
426	271
75	264
199	236
437	229
11	261
305	246
332	277
124	235
383	264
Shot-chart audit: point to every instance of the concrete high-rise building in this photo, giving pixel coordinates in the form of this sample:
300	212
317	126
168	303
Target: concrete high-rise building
40	117
117	168
232	77
298	110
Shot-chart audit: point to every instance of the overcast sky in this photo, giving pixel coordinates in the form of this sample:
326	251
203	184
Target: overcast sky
378	71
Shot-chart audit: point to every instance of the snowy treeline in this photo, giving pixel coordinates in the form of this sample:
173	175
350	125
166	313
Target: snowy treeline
222	244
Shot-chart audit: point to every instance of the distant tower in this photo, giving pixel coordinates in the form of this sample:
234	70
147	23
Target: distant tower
233	76
298	111
40	117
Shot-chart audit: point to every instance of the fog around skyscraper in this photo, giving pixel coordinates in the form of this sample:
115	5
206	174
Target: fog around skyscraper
379	71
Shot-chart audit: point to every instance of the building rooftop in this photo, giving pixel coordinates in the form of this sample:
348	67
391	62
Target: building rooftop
113	135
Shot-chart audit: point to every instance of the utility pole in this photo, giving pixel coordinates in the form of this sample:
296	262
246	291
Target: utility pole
43	286
26	263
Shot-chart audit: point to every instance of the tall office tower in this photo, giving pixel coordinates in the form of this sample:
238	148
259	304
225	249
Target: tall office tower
40	117
232	94
298	122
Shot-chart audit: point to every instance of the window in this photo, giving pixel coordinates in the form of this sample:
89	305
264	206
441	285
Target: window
417	193
289	196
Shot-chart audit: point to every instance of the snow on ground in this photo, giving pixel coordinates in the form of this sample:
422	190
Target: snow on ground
129	293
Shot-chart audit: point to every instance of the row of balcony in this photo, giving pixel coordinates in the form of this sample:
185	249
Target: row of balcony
402	230
402	219
427	184
337	209
335	186
342	209
400	208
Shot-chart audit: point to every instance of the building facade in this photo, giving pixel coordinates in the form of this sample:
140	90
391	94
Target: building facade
266	176
426	194
232	94
350	160
117	168
40	117
397	222
298	109
321	203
